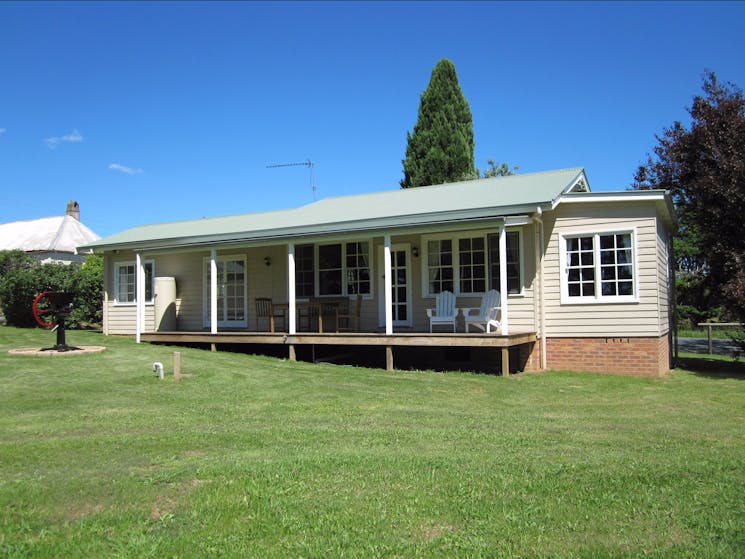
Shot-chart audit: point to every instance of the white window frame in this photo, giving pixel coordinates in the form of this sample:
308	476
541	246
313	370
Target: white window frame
455	238
133	263
521	263
598	298
344	283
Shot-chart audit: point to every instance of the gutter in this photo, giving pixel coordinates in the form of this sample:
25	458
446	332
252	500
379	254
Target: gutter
281	235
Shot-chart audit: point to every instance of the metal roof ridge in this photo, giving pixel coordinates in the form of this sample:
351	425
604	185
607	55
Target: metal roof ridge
447	184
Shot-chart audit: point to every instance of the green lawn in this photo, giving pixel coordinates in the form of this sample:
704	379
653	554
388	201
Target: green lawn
258	457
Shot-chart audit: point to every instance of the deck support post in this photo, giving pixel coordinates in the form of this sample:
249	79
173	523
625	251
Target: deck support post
506	362
291	354
388	358
213	347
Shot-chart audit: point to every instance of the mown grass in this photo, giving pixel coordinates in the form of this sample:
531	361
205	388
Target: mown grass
259	457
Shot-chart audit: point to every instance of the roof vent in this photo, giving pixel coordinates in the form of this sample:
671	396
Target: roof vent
73	209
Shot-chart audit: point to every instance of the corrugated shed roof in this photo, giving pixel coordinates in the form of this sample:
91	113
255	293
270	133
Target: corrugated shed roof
493	197
46	234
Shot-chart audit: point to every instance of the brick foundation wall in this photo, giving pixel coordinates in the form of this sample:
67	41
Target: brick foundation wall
648	357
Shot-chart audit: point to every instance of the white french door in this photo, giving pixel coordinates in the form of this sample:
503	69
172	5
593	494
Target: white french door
400	283
231	293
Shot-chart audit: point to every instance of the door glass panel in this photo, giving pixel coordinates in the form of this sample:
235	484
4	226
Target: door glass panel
231	291
400	286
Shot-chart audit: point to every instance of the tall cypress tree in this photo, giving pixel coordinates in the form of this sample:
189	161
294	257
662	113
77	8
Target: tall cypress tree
440	149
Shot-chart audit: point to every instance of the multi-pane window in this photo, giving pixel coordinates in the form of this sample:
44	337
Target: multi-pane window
580	253
514	283
343	269
329	270
598	267
472	265
440	265
358	268
125	279
616	265
305	285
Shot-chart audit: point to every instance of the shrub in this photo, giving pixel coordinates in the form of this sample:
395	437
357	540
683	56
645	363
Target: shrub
23	278
87	307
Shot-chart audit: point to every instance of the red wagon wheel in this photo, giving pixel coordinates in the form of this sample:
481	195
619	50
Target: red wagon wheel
42	311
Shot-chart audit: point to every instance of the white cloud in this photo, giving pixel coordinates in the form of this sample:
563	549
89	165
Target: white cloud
73	137
124	169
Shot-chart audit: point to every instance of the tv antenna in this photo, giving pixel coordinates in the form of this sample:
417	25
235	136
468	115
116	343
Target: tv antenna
308	164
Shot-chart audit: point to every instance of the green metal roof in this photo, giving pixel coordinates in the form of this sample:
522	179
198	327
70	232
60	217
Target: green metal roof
469	200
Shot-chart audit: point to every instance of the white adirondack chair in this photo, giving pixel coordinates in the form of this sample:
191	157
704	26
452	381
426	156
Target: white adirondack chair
488	313
444	311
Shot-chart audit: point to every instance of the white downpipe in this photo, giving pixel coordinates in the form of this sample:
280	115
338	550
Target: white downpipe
503	278
388	285
139	296
213	291
291	294
537	217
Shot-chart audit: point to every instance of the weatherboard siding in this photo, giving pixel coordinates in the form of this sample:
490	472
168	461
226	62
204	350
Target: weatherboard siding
604	319
664	270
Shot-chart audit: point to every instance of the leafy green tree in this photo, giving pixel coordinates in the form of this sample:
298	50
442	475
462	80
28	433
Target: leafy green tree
14	259
502	170
703	167
440	149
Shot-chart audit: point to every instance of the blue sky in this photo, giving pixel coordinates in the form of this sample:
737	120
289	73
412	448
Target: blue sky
148	112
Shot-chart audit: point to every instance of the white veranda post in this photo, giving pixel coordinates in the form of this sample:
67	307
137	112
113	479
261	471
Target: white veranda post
139	296
503	278
291	317
388	285
213	291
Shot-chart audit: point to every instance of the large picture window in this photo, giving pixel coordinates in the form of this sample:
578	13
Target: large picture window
125	282
470	265
329	270
333	269
598	267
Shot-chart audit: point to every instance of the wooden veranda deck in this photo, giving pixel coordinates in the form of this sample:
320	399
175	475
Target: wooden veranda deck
389	342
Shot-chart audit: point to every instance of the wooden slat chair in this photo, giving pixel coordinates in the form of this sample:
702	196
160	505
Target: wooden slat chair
488	313
308	315
349	320
265	311
444	311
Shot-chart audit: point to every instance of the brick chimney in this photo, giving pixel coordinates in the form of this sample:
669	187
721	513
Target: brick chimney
73	209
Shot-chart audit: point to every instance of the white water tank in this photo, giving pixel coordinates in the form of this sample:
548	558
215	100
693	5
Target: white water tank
165	304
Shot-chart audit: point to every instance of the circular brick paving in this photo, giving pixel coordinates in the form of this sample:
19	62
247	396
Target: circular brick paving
39	351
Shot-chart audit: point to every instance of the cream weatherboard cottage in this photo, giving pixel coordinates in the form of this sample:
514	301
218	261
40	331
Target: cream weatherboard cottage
584	277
